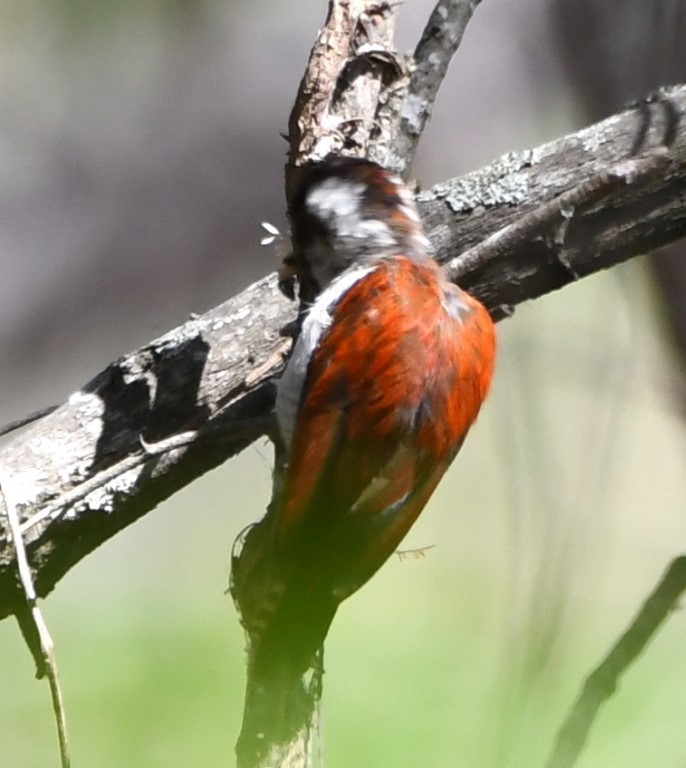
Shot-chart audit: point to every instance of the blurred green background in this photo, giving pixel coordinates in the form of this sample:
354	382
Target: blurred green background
140	151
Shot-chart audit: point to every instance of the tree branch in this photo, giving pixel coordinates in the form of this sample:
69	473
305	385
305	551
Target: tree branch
551	221
640	215
33	625
433	54
603	681
84	473
156	419
349	98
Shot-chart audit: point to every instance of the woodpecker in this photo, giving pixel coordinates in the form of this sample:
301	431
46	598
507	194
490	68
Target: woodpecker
389	371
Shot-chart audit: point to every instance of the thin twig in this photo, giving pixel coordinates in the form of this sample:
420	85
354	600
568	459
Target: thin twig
432	56
47	647
81	491
602	682
234	432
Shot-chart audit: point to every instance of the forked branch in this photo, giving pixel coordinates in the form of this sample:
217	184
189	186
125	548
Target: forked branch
529	223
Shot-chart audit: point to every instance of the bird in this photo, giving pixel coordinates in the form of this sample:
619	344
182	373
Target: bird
388	373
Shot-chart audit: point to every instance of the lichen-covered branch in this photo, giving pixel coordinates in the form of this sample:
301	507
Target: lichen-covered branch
633	218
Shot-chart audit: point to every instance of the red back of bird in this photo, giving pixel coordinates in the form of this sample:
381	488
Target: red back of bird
389	372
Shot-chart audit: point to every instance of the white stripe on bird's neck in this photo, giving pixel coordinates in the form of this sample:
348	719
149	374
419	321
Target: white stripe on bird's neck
317	321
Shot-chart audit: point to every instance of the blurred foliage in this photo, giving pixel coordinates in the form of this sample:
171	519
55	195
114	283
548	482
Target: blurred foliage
79	18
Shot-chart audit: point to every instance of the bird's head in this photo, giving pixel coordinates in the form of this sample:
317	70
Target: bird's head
348	212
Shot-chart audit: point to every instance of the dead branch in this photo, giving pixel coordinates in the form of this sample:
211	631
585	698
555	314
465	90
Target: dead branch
33	624
603	681
349	98
432	56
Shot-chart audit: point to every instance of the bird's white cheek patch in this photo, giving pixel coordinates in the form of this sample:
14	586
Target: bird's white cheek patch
335	199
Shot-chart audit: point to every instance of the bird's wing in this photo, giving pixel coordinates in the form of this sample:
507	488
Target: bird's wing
379	421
